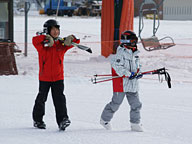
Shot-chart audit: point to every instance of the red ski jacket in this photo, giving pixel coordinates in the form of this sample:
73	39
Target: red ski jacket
51	59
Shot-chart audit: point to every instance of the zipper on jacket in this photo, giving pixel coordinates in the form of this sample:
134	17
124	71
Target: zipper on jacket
42	68
130	66
52	74
131	71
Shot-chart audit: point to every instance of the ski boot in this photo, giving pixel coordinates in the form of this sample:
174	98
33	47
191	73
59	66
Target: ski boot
40	125
136	127
64	123
105	124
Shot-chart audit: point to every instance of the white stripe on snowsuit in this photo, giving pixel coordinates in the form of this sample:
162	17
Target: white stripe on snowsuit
124	62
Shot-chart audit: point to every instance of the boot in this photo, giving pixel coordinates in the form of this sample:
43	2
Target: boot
136	127
40	125
105	124
64	123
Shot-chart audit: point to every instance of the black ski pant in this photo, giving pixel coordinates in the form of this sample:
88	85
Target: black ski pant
58	97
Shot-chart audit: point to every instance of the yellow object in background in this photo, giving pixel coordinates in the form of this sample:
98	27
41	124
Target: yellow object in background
41	11
151	16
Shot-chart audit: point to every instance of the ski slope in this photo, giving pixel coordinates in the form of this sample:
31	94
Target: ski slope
166	113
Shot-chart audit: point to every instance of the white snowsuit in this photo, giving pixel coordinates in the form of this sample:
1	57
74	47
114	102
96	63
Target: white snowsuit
124	62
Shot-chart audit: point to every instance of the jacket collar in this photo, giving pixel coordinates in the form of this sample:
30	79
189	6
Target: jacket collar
130	51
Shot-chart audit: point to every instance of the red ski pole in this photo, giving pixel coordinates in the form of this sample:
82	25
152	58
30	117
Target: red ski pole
108	77
103	79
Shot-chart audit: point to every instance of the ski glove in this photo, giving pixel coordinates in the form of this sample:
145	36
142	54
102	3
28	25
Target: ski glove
135	75
139	75
68	40
48	41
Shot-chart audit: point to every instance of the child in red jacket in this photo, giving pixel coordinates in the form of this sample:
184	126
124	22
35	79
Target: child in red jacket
51	74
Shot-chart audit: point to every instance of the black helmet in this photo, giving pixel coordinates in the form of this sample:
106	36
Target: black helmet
129	38
49	24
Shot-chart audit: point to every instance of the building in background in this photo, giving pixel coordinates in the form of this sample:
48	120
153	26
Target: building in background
6	19
177	10
170	9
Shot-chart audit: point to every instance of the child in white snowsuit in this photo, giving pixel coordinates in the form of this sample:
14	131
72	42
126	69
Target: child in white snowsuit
125	64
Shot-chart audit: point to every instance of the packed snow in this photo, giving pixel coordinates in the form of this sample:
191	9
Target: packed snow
166	113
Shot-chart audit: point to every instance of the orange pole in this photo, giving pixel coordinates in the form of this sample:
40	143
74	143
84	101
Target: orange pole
127	16
107	23
107	27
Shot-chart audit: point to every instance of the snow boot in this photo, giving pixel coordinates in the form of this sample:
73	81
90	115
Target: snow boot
64	123
136	127
105	124
40	125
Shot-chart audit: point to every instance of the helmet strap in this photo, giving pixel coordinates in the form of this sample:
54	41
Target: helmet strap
130	47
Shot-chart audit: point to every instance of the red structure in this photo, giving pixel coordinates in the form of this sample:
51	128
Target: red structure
116	17
7	58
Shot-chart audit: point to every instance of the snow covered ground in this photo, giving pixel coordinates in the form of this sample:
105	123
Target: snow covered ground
166	113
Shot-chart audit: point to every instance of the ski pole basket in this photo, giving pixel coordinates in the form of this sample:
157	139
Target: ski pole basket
7	58
153	43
